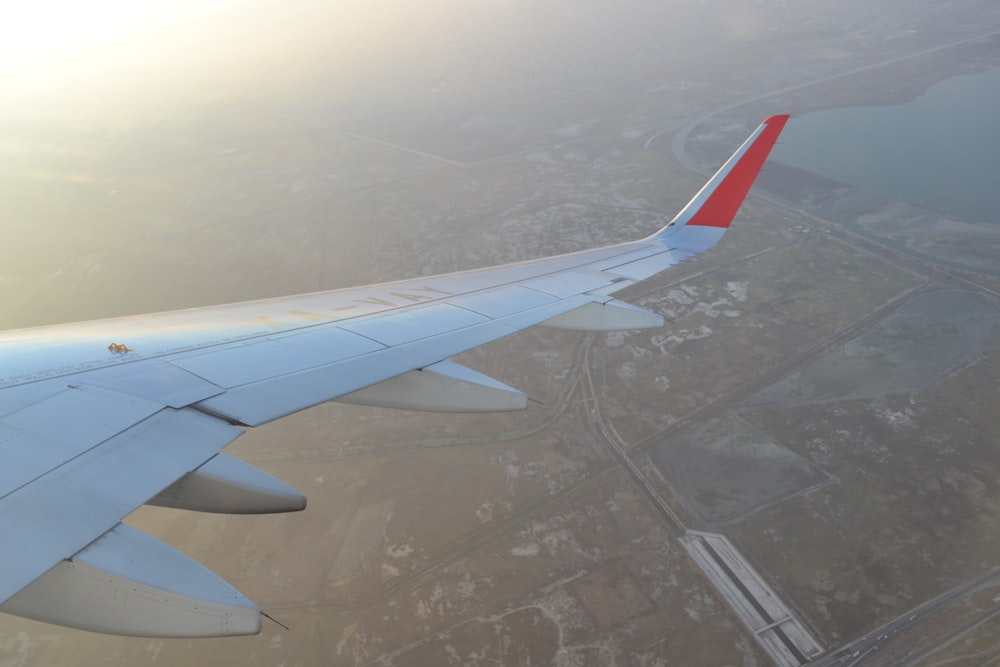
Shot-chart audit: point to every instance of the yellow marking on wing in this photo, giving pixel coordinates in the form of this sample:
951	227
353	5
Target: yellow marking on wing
375	301
433	289
265	320
312	317
412	297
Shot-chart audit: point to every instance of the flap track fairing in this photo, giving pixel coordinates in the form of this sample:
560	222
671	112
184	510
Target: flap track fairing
128	583
612	315
227	485
441	387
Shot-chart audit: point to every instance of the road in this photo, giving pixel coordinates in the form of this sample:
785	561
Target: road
919	633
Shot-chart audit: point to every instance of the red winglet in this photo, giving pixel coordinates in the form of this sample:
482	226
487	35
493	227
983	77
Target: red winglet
728	193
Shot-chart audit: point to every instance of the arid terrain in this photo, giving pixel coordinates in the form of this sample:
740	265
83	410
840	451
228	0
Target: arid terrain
823	392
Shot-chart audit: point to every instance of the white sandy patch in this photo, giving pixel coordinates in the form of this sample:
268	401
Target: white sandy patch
628	370
737	289
615	339
399	550
527	550
679	296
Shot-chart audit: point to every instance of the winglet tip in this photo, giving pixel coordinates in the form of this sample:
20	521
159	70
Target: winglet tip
717	202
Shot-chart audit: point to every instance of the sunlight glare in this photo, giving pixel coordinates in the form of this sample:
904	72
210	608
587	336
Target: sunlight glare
42	37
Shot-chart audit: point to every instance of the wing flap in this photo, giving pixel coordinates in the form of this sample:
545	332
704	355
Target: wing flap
156	381
62	511
42	436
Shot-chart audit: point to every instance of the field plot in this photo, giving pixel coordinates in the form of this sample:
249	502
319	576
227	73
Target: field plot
728	326
912	510
908	351
725	469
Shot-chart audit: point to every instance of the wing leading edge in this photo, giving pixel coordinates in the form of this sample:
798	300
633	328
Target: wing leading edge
155	398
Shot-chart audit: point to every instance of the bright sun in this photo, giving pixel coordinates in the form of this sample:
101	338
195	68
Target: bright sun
42	37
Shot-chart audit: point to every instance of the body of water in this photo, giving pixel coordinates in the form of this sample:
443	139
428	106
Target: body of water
941	150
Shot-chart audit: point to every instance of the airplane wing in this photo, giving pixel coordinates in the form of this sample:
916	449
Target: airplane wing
99	418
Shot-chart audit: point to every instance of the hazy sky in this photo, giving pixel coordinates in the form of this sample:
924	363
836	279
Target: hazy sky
48	42
59	46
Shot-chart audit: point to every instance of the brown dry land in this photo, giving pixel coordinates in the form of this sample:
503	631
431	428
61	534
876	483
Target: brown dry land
827	402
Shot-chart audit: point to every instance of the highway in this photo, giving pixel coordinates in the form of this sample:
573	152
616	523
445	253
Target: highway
917	634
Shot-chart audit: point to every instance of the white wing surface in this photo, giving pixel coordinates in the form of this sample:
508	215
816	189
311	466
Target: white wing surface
99	418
